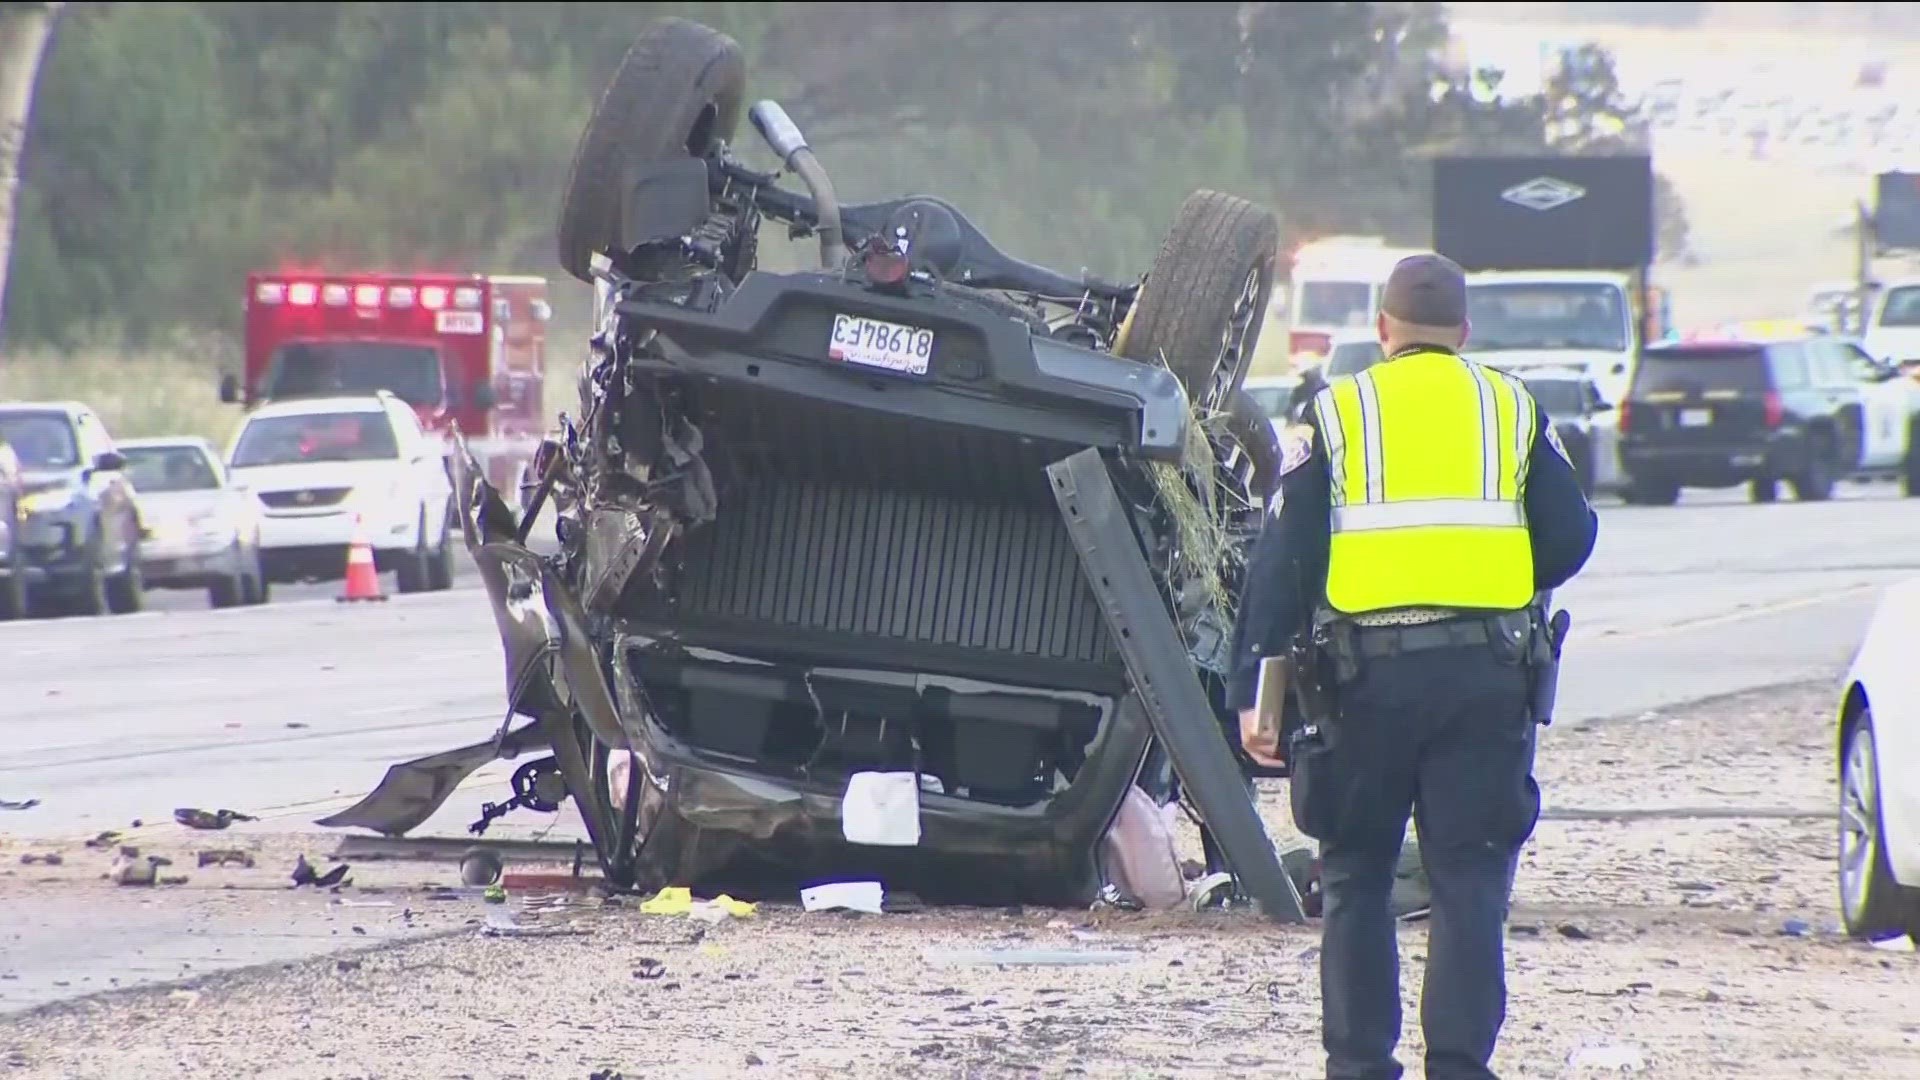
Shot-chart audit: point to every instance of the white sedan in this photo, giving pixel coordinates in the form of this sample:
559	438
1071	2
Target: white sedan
1879	751
203	531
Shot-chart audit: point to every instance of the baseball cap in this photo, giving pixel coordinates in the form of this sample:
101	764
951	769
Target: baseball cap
1427	290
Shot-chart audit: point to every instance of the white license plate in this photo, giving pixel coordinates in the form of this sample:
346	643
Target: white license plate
1696	417
860	340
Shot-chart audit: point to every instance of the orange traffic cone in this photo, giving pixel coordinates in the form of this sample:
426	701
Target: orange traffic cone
363	580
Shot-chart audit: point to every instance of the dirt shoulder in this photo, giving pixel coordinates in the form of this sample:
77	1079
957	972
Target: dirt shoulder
1689	946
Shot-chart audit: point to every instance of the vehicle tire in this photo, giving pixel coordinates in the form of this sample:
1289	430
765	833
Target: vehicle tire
261	589
1250	426
127	590
1641	492
1910	468
14	601
440	568
1815	482
678	91
415	570
1872	904
1205	298
1764	491
230	591
91	599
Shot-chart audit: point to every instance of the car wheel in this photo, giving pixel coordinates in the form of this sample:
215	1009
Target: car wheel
677	93
1815	482
227	592
1910	469
1641	492
13	590
1764	491
1871	901
262	589
1204	302
91	597
440	570
126	590
415	569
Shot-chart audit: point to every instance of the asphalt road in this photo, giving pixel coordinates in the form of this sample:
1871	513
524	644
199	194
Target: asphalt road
295	709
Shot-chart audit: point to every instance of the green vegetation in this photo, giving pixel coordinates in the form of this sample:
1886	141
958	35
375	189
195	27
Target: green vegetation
175	146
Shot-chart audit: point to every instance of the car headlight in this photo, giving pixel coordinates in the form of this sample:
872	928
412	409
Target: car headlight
46	502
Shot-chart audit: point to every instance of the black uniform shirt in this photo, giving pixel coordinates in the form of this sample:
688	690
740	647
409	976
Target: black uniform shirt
1287	575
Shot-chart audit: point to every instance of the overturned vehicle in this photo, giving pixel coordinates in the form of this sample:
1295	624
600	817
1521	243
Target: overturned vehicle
928	511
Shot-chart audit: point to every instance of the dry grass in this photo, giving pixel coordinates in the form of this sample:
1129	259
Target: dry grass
174	391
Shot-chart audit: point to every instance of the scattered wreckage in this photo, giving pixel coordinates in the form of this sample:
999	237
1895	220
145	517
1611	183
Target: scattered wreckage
929	529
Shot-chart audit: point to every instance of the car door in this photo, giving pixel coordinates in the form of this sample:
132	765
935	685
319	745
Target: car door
109	489
1837	394
1886	405
425	470
1603	429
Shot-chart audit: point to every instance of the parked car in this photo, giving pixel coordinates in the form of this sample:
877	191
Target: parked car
203	530
13	543
1879	769
80	520
1353	351
323	468
1587	424
1807	409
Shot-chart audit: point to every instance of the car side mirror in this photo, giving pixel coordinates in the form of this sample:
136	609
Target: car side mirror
229	389
110	461
483	396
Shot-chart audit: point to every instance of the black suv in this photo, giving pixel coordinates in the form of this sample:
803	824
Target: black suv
1716	414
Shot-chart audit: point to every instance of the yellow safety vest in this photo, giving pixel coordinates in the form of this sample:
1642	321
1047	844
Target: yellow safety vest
1428	456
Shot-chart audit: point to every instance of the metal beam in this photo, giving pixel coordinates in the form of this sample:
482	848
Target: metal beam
1164	678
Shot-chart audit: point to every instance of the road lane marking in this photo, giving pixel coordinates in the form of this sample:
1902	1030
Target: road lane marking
1708	621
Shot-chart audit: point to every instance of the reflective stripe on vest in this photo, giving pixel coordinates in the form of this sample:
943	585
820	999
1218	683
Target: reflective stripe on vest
1428	457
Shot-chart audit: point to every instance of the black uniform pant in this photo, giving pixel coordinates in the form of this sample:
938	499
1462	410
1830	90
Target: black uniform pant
1446	735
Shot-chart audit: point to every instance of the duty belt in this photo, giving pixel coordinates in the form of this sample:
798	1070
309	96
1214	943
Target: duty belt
1381	641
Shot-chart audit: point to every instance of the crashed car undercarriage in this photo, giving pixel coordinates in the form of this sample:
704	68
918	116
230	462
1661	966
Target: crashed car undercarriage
926	510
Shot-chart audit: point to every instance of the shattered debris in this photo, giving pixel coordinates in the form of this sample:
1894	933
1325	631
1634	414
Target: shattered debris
200	819
224	856
680	901
24	804
104	840
303	875
867	896
51	858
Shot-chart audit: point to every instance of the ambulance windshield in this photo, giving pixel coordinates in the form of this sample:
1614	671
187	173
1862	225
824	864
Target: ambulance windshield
325	368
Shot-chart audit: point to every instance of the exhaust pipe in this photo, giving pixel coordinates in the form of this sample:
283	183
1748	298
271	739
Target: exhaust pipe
784	136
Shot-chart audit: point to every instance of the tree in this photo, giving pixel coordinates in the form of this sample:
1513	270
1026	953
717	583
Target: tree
24	30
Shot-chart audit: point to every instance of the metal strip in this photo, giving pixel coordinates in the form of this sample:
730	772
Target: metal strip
1489	435
1163	677
1421	513
1370	433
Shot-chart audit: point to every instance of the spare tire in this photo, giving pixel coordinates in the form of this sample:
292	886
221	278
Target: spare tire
1205	298
1253	429
677	93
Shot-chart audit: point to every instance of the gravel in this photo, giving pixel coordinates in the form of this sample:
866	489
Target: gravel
1675	917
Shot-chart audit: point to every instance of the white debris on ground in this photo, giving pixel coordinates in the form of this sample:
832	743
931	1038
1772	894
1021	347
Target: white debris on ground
1656	946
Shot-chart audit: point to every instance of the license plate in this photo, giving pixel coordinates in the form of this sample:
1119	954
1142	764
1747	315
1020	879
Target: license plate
860	340
1696	417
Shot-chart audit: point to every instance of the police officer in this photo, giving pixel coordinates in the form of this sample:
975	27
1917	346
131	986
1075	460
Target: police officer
1419	521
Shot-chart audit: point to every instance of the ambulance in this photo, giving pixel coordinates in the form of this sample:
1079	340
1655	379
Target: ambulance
1336	283
465	350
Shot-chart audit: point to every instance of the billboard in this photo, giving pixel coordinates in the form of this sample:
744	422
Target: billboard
1544	213
1896	210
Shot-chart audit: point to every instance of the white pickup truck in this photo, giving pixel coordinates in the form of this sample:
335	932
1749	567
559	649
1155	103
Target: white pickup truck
1582	319
1893	327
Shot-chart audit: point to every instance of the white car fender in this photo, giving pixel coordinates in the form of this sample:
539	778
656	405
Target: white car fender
1884	669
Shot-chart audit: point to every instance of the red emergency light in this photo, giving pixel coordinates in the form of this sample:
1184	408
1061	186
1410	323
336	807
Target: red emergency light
366	295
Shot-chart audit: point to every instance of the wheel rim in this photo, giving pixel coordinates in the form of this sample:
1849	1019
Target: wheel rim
1859	838
1233	340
